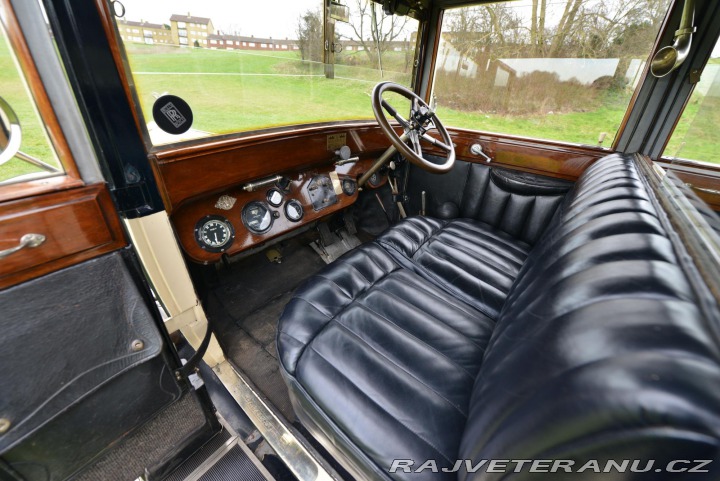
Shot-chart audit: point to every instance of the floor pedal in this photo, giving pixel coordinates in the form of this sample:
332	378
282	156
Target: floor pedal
329	253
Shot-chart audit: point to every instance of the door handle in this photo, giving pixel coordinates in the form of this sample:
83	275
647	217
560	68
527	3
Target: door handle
10	132
28	240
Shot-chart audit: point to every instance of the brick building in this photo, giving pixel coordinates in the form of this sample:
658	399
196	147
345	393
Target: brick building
187	30
236	42
144	32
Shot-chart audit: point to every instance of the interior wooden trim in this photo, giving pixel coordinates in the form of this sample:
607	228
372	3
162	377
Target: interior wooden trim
118	52
38	186
432	54
543	157
218	166
47	116
187	216
79	224
192	172
704	178
243	139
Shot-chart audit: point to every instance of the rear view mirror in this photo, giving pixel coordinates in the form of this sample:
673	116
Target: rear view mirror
10	132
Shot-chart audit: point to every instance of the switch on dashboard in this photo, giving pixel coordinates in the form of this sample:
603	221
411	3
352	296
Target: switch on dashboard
337	186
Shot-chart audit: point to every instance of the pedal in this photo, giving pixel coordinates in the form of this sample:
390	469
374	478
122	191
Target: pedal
327	238
274	256
349	222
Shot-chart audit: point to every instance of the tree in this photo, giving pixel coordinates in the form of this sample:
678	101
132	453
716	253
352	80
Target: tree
374	30
310	35
578	29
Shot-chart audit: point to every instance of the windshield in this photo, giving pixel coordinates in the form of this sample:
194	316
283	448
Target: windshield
557	70
244	66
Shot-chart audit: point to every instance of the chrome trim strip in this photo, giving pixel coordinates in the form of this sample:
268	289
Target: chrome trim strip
302	459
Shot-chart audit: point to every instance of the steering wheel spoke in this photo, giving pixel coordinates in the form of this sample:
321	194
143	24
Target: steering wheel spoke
422	118
432	140
414	137
394	113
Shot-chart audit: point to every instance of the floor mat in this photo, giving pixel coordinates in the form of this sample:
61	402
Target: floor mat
254	281
245	305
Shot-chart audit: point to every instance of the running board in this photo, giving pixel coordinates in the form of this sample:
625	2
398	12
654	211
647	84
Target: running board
301	458
223	458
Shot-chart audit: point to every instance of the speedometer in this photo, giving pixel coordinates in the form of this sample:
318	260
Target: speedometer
257	217
214	233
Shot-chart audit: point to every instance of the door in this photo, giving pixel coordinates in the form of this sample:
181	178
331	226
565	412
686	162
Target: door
90	387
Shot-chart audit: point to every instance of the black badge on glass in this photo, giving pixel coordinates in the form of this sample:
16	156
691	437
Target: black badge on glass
172	114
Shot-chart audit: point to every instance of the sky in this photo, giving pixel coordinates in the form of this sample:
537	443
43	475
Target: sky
251	17
245	17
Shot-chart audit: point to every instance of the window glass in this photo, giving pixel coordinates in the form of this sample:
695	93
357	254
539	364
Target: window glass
260	65
36	157
697	135
551	69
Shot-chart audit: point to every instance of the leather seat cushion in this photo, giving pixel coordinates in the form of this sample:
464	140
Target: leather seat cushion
389	358
473	261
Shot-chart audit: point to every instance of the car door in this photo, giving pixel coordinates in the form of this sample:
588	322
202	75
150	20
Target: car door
90	387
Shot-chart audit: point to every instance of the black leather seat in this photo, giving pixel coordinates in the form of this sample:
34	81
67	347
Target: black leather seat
448	340
472	260
382	348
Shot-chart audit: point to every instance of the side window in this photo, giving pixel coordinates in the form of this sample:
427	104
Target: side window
697	134
26	152
558	70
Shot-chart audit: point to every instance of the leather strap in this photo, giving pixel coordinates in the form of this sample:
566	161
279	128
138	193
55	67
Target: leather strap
190	367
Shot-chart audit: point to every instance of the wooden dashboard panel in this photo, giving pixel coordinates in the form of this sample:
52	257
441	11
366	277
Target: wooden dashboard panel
217	166
551	159
193	178
78	224
189	172
187	216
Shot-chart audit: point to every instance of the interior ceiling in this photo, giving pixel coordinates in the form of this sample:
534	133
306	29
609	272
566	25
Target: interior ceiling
419	8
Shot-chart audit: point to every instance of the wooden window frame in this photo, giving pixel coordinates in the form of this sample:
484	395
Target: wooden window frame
71	176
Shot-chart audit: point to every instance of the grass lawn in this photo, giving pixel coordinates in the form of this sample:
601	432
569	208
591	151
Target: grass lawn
34	139
233	91
251	90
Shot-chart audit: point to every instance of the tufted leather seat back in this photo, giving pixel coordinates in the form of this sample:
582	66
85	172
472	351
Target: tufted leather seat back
600	351
516	203
508	201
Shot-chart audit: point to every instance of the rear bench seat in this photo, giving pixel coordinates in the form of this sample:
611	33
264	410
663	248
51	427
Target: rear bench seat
447	340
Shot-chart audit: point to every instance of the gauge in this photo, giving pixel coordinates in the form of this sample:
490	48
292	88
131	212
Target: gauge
214	233
375	180
294	210
274	197
257	217
349	187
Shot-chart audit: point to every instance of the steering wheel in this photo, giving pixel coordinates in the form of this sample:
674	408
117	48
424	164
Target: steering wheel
422	119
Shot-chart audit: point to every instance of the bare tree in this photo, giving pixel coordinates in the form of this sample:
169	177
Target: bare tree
583	29
374	30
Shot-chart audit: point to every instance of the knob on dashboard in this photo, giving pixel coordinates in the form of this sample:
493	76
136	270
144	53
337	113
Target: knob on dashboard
344	152
283	183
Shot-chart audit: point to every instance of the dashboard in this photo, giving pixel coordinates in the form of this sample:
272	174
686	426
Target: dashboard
255	212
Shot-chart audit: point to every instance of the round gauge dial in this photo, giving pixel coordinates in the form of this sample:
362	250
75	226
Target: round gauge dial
257	217
214	233
349	187
294	210
274	197
375	179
